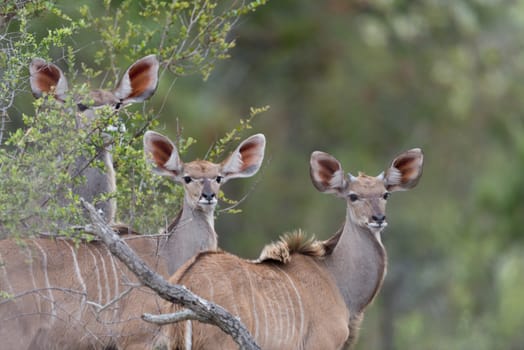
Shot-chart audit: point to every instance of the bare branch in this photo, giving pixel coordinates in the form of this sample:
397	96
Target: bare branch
99	308
210	313
164	319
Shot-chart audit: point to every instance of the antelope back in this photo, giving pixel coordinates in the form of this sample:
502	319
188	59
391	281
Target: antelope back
137	84
279	303
57	292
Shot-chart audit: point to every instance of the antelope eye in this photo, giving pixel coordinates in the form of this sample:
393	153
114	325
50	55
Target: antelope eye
353	197
218	179
386	195
187	179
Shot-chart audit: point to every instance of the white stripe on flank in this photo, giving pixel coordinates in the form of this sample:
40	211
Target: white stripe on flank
234	307
279	311
116	291
299	300
47	284
97	273
6	276
254	308
188	335
289	312
115	277
263	307
274	319
104	272
80	279
33	280
276	310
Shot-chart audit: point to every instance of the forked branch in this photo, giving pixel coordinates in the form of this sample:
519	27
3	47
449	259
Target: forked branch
207	312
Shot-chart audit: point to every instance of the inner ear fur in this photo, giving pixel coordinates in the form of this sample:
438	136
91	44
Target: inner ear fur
247	158
163	154
326	173
139	82
47	78
405	170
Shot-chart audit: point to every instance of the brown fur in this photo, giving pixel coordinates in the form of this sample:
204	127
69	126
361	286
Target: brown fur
52	284
53	281
278	303
323	287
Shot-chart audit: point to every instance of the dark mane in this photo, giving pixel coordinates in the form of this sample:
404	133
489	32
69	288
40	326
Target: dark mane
290	243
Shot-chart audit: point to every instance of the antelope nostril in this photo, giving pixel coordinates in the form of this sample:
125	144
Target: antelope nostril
379	218
208	196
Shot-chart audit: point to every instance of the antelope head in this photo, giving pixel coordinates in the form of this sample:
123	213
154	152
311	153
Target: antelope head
138	83
366	196
202	179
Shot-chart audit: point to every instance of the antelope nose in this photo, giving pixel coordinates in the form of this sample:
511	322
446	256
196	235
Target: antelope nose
209	196
379	219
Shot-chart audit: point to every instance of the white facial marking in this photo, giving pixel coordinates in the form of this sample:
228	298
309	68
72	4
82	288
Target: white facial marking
207	202
374	225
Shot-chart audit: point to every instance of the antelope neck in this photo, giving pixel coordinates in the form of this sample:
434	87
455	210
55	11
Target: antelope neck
192	233
358	264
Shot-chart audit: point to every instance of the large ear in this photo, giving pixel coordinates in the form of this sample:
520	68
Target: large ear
47	78
246	159
139	81
405	171
163	154
326	173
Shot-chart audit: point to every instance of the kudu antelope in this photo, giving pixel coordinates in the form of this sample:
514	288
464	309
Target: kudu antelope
55	295
301	294
138	83
193	229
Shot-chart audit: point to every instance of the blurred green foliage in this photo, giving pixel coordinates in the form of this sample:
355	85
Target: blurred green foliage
362	80
39	146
